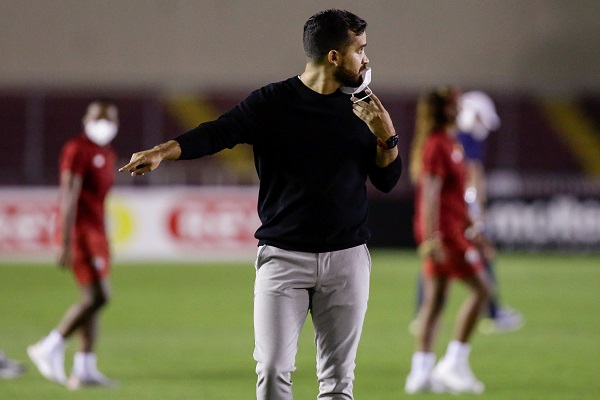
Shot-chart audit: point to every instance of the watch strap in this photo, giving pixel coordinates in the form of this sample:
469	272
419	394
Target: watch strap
388	144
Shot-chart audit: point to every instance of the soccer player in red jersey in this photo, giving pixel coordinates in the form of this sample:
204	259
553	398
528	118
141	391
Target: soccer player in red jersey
476	119
87	166
441	228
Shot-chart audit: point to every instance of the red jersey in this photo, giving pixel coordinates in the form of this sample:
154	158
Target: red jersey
443	156
96	166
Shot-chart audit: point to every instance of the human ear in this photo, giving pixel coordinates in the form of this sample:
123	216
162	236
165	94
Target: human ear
333	57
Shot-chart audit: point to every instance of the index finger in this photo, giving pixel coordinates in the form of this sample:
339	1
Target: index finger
375	99
131	166
135	163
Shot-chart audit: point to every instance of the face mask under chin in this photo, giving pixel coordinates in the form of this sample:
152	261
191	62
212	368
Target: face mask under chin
366	80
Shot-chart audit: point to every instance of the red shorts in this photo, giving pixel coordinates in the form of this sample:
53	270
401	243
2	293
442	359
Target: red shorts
91	256
455	265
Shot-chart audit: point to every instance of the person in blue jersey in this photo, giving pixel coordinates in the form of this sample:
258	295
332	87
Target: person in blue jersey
317	138
476	119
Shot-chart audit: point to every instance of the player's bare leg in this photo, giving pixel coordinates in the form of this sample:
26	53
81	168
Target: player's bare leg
93	297
423	360
48	354
453	371
471	309
431	310
83	318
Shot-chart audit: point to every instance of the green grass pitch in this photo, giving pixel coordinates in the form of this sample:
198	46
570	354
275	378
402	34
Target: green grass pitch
182	331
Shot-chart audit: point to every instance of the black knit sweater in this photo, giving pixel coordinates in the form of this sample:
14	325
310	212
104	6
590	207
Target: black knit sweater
312	156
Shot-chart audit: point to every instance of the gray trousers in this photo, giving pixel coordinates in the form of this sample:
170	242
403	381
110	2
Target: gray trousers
334	287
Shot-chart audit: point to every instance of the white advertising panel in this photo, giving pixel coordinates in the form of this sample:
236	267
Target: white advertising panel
171	223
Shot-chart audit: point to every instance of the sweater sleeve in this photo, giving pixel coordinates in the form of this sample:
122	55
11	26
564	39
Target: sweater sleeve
384	179
238	125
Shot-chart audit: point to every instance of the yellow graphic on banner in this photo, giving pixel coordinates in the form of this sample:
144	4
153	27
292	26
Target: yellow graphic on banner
578	132
191	111
121	222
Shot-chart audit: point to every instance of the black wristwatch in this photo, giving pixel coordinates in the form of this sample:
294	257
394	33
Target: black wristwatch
388	144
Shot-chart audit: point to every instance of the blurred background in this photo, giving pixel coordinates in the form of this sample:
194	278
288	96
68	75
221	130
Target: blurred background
170	65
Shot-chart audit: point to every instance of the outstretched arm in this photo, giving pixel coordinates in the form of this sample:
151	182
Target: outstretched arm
148	160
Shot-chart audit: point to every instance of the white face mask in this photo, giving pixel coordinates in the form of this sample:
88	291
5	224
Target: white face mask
366	79
101	131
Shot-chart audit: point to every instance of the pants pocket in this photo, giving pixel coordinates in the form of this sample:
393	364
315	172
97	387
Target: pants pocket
259	253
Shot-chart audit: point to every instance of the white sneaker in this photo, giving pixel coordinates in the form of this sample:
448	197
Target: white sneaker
92	379
419	378
456	377
416	383
507	320
50	364
421	383
10	369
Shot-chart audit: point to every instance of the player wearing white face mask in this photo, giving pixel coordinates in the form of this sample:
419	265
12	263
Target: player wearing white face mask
87	166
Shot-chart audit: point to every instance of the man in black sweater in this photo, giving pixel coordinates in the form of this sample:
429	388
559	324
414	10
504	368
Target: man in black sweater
314	148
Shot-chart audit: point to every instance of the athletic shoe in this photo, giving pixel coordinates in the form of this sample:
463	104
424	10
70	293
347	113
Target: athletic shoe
96	379
507	320
50	364
10	369
416	382
421	383
456	377
419	379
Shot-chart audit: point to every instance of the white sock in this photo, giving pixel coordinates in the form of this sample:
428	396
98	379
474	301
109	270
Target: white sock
457	351
79	368
90	362
53	341
423	362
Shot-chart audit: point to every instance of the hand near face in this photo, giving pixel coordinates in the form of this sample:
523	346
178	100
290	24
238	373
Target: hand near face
374	115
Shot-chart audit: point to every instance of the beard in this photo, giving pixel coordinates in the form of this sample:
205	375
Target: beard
347	77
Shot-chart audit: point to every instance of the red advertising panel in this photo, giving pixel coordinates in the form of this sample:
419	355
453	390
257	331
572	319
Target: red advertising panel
143	224
213	222
26	225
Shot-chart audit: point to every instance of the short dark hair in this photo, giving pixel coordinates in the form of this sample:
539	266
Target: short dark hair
328	30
